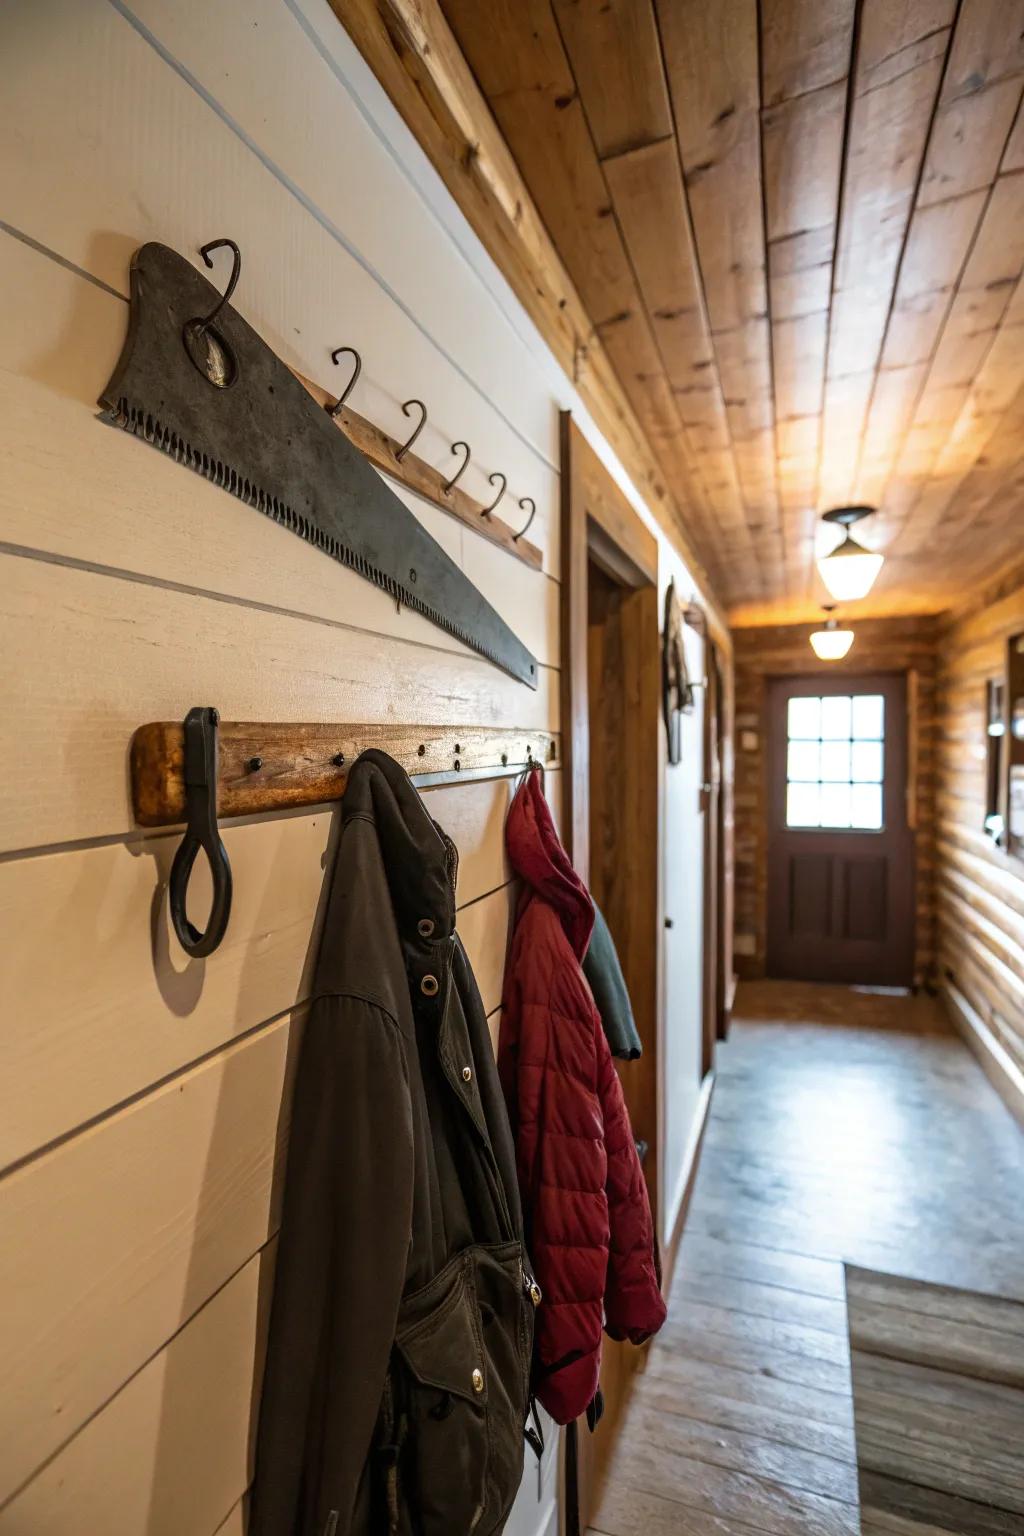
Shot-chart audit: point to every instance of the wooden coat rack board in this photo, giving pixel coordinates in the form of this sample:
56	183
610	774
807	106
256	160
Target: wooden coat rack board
423	478
275	767
198	770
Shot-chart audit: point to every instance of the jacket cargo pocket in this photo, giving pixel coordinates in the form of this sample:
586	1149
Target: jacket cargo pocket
463	1340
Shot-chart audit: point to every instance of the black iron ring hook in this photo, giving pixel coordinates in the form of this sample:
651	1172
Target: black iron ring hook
335	410
400	453
206	252
201	831
486	512
525	501
450	485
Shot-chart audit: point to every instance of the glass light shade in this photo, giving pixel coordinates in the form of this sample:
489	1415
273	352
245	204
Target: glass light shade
849	572
831	644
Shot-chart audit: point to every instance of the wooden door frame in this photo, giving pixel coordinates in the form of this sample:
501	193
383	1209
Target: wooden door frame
599	525
597	521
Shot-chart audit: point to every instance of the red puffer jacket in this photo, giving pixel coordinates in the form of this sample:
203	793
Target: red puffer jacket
588	1219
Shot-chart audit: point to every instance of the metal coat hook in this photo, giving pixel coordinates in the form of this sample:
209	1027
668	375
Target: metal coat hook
201	831
400	453
206	252
526	501
205	345
450	485
491	479
336	409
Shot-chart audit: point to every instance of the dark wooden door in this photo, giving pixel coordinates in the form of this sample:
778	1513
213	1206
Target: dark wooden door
840	850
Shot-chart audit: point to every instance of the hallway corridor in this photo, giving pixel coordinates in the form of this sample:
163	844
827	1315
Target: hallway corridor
846	1129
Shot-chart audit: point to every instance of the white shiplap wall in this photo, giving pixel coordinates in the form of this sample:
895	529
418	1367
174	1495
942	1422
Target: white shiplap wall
141	1125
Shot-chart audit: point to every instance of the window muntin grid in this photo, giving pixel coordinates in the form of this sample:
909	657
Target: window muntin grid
835	761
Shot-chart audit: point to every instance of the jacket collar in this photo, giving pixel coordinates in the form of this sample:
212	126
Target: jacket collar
420	861
540	860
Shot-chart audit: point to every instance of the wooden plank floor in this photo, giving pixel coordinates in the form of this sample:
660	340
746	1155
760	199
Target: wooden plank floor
845	1128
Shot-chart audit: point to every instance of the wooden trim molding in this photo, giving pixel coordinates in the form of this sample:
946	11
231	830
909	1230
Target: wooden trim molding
688	1180
596	522
573	677
996	1062
413	53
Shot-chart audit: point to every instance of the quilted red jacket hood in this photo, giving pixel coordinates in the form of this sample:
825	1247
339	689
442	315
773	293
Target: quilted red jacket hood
587	1215
541	862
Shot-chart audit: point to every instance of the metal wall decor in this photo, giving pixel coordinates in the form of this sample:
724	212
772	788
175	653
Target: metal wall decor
676	688
198	382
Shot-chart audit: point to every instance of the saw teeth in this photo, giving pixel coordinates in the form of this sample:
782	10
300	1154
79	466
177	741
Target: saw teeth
140	423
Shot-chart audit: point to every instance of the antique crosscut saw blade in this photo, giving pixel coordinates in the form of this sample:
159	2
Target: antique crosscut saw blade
216	398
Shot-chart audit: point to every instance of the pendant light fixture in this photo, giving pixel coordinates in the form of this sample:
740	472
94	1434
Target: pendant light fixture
831	643
849	571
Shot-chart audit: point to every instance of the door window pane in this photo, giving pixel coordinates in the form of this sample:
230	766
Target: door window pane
835	757
866	762
835	805
835	761
803	760
868	717
804	722
866	807
802	808
835	717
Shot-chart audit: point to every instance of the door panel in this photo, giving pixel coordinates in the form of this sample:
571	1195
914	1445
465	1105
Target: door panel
840	851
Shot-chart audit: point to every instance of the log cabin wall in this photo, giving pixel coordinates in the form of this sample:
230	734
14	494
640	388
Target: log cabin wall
143	1098
881	645
979	888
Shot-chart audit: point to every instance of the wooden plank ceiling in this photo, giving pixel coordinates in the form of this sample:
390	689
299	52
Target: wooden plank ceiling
798	230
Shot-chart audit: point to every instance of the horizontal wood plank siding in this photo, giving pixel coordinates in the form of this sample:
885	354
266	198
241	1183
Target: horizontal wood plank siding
979	888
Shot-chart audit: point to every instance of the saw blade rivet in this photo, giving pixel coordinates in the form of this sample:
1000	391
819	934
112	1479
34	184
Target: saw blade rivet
412	575
254	764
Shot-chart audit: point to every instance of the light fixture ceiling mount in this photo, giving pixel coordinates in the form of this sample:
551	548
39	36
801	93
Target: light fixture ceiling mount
850	570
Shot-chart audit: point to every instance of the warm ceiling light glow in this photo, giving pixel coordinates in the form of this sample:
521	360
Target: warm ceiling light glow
831	643
849	572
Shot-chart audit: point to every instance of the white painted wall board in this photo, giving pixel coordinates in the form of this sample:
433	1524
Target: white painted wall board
113	1240
170	1452
113	654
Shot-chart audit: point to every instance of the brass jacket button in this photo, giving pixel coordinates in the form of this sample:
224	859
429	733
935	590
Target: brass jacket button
478	1380
467	1074
425	927
428	986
